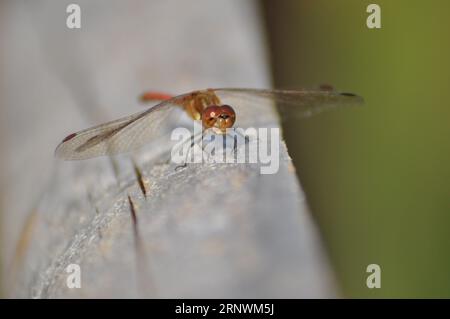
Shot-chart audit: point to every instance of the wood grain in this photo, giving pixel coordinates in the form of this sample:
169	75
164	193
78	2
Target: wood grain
205	231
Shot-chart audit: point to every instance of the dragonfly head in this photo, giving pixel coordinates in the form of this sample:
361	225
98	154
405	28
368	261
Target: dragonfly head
219	117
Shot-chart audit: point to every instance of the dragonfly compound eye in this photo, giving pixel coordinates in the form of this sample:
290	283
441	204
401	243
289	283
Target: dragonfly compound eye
209	115
218	116
227	117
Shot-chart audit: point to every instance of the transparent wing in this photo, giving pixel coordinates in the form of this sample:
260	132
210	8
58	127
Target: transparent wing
251	104
121	135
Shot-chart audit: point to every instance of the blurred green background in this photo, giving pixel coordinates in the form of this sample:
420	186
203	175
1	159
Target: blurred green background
378	177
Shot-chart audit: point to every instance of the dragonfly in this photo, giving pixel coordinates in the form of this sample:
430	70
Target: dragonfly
218	109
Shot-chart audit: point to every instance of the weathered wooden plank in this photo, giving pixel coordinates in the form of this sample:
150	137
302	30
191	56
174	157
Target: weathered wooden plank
212	230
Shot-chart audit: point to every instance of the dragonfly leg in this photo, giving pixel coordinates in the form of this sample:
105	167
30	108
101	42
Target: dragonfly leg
245	137
235	142
194	140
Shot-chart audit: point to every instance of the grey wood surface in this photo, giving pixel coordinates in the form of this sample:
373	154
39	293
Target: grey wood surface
209	230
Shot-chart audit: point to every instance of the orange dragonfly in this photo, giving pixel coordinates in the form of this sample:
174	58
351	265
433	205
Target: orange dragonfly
218	109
